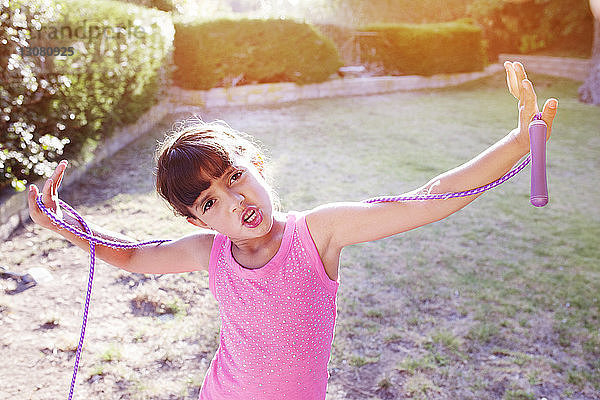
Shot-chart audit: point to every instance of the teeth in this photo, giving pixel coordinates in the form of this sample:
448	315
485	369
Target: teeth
251	217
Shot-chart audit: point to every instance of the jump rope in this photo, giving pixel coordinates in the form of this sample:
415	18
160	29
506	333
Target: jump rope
538	198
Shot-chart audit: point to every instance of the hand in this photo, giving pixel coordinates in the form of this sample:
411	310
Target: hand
522	88
49	198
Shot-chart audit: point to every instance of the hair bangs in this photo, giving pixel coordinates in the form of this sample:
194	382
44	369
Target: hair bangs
192	168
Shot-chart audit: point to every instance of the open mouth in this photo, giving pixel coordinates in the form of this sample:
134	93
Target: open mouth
252	217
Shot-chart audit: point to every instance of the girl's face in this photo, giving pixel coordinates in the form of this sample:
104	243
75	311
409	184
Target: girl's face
238	204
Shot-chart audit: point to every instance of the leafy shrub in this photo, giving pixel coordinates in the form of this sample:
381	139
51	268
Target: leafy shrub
338	34
54	105
343	38
29	142
231	52
532	25
425	49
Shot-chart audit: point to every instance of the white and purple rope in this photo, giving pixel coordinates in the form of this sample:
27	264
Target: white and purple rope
93	240
443	196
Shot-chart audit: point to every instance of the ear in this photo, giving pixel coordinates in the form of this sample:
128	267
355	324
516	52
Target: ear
197	222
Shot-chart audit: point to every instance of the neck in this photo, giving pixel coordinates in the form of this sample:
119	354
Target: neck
256	252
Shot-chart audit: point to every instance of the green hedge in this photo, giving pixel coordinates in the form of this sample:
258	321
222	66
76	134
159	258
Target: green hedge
233	52
564	27
424	49
110	74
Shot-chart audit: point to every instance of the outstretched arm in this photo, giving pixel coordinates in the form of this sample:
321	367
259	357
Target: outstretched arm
343	224
186	254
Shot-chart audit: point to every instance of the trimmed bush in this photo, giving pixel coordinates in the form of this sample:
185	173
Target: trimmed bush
28	142
233	52
343	38
561	26
72	72
425	49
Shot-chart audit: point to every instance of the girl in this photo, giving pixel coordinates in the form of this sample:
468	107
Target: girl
274	275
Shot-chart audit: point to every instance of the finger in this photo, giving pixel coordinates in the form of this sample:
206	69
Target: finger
57	176
520	74
511	79
521	95
31	198
520	71
53	191
63	165
46	188
549	112
47	194
529	98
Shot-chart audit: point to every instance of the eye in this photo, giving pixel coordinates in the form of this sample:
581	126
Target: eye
236	176
208	205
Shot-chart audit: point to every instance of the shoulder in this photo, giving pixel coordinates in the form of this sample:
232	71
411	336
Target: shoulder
192	252
205	242
319	222
323	221
198	241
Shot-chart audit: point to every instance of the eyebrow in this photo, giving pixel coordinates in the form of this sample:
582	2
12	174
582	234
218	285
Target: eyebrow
202	199
207	191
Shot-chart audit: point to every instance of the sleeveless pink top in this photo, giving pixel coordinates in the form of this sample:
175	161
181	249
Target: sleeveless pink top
277	322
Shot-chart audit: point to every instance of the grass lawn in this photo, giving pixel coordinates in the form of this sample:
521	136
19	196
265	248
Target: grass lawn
500	300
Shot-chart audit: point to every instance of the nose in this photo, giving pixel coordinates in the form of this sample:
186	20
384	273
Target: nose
236	200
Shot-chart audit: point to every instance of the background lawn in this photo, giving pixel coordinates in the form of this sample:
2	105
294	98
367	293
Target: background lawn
501	300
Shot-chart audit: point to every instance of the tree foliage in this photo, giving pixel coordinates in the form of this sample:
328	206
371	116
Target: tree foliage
531	25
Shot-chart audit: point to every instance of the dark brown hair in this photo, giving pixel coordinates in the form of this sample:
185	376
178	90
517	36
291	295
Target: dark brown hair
193	153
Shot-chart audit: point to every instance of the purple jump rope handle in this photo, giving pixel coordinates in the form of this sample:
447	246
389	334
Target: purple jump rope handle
537	143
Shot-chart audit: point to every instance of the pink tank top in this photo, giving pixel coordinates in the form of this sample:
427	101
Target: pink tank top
277	322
